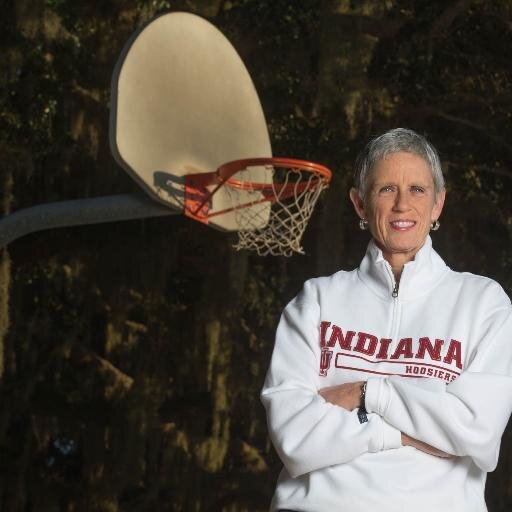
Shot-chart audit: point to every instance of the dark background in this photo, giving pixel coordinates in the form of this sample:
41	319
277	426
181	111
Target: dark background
132	354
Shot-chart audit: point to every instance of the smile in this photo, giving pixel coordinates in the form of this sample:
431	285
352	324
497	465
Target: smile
402	225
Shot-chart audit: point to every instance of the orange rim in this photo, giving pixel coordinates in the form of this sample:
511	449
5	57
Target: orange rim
270	191
227	170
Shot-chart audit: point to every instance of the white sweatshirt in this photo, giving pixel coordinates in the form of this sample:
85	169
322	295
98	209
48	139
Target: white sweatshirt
438	361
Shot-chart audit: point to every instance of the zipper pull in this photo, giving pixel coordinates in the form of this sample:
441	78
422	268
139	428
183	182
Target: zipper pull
395	291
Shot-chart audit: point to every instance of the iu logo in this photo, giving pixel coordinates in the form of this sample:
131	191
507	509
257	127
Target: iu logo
325	361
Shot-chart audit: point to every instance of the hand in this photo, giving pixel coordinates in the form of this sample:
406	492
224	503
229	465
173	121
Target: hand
346	395
424	447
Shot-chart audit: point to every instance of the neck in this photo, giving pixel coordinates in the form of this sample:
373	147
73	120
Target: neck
397	272
397	261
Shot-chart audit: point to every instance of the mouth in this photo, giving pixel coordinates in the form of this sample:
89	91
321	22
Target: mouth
402	225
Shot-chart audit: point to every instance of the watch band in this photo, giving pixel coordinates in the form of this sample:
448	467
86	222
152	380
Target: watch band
362	413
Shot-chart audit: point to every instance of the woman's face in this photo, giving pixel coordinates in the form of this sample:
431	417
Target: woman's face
400	205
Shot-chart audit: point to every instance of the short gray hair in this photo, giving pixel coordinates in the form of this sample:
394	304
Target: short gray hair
393	141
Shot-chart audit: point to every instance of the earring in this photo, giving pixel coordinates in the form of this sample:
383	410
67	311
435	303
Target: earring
363	224
434	226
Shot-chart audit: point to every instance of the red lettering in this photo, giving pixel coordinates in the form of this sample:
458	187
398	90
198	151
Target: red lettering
362	338
336	336
383	350
433	351
403	349
323	331
344	341
454	354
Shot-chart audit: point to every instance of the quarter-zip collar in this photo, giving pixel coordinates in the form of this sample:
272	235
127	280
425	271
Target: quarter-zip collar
418	276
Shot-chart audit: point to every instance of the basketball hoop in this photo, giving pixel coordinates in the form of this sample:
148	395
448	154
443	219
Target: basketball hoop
272	199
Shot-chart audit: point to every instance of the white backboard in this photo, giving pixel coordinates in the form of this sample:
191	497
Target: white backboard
184	103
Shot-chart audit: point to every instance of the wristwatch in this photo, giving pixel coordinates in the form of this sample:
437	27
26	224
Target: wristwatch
362	413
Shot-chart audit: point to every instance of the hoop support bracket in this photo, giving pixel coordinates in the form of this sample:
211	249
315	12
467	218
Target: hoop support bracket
198	198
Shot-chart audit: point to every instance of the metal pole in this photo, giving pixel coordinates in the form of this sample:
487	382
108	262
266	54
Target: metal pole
79	212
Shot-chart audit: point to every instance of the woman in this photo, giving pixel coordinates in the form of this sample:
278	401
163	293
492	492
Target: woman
390	386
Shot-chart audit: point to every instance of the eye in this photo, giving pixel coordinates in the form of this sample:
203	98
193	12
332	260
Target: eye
417	189
387	188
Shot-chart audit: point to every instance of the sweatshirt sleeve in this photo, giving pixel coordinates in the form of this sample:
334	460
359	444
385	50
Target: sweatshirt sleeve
308	432
467	417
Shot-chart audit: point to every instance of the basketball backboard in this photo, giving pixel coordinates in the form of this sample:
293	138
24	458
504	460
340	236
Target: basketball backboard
184	103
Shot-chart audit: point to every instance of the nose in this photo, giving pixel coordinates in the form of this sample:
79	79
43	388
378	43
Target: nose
401	201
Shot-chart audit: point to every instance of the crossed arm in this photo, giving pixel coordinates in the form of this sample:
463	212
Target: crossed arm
348	396
308	431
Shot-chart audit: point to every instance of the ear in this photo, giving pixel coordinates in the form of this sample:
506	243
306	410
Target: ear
358	203
438	205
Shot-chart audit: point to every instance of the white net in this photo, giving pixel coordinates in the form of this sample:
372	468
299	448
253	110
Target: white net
272	217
